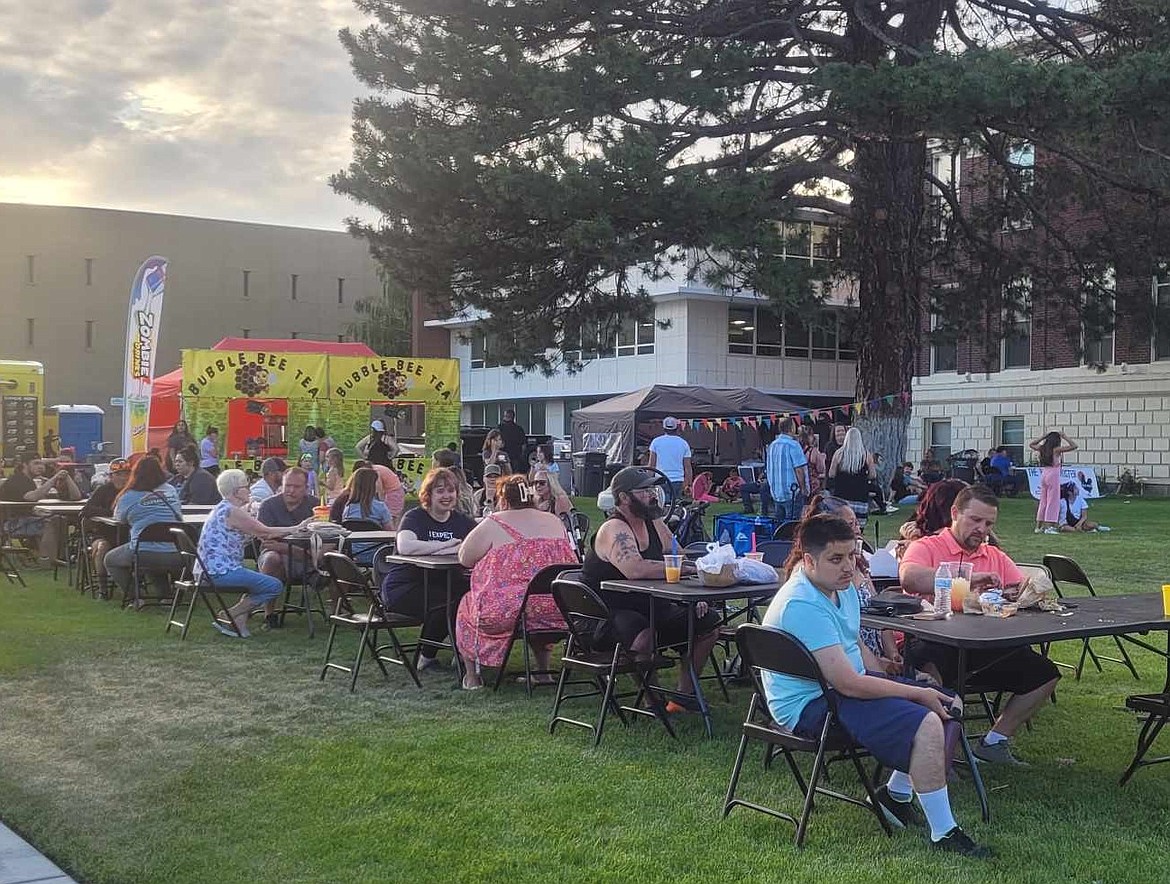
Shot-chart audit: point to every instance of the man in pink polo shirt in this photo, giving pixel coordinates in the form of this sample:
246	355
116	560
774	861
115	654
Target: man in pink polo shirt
1029	677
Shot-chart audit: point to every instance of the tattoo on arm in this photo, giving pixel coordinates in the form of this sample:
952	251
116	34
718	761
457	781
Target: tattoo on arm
624	548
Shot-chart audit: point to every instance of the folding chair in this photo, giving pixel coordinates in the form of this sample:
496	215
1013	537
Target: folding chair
695	550
588	618
364	550
159	532
776	651
577	526
787	530
540	584
1062	568
199	588
1156	708
354	591
775	552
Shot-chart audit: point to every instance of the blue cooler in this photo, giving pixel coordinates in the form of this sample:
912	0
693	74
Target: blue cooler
763	526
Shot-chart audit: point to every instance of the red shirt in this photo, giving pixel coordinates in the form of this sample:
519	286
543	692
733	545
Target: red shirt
942	547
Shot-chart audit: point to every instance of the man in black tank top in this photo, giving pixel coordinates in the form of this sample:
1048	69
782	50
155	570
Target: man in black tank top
629	546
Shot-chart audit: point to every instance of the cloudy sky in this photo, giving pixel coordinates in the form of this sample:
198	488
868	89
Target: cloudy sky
219	108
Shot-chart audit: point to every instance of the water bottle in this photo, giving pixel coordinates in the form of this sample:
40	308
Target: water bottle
942	589
743	543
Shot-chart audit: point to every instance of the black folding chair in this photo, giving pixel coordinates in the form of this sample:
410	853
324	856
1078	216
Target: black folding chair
1156	709
787	530
577	526
593	648
540	584
695	550
1063	569
199	588
775	552
772	650
159	532
367	548
359	608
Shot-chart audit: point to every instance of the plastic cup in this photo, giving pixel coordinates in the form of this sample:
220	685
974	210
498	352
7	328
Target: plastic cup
321	513
673	566
754	556
1166	599
960	585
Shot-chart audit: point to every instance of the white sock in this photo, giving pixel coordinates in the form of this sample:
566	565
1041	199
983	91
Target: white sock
900	787
937	807
992	737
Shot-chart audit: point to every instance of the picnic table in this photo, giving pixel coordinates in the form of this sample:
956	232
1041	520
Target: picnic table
1086	617
448	565
688	592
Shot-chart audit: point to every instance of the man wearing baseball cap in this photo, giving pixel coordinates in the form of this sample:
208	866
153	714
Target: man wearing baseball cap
629	546
671	454
271	476
101	503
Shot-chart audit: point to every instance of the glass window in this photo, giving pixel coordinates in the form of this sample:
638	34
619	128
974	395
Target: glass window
943	354
535	417
1021	158
292	286
797	239
627	337
478	351
825	241
247	279
796	336
1017	338
1100	302
341	290
646	336
846	336
1162	313
477	414
938	435
1011	435
824	338
741	331
769	332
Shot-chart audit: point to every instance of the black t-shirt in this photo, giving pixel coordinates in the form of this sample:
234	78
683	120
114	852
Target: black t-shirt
16	486
514	441
399	578
379	451
199	489
101	502
275	514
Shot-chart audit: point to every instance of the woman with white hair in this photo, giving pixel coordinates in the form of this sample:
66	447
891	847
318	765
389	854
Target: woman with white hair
221	551
852	470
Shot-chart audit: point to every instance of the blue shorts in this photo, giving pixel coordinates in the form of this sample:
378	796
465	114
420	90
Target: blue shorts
885	727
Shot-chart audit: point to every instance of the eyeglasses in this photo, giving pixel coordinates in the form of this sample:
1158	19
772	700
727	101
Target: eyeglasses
540	483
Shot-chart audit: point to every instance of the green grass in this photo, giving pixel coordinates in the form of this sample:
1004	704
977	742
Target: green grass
128	756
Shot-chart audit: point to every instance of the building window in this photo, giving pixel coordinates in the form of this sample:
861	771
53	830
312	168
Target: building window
1100	303
341	290
292	286
246	333
247	274
1021	159
1161	291
1017	329
341	339
89	271
938	438
529	415
635	337
824	338
30	332
1009	432
741	330
30	272
944	355
796	336
944	166
89	334
769	332
293	335
761	331
478	350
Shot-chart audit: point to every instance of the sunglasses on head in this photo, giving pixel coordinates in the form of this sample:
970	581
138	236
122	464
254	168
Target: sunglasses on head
830	504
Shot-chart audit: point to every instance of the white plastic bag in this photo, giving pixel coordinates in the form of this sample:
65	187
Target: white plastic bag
717	556
758	573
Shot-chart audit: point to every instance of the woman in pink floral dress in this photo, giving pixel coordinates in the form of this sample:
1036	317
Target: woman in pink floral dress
504	552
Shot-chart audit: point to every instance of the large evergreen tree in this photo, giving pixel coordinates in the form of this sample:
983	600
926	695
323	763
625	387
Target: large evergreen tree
525	155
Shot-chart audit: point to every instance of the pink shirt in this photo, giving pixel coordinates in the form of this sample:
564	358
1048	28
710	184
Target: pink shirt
942	547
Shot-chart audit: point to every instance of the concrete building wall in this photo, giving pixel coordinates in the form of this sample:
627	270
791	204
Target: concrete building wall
205	298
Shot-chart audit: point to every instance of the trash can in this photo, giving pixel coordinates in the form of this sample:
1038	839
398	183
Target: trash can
588	473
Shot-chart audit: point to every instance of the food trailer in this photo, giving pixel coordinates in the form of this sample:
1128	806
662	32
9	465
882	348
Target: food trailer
22	400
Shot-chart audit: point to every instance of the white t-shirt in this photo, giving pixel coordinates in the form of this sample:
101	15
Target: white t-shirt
669	452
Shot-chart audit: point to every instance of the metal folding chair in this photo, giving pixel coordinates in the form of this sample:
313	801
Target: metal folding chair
1063	569
595	650
1156	709
159	532
540	584
787	530
766	649
357	607
199	588
775	552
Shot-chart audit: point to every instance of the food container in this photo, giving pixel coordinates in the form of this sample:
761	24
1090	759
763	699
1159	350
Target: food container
724	577
321	513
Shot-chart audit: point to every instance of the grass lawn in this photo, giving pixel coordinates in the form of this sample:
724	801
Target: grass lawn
127	756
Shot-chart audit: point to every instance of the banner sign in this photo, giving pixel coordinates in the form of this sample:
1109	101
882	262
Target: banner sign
412	470
393	378
1085	478
221	374
142	327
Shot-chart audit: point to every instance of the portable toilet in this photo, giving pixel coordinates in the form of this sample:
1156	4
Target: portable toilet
80	428
22	398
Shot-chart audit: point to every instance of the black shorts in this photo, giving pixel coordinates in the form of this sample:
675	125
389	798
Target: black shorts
631	614
1016	671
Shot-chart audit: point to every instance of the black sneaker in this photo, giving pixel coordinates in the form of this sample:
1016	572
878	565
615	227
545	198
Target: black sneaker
958	841
899	814
272	621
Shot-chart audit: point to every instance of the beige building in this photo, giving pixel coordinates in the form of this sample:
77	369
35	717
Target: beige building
65	276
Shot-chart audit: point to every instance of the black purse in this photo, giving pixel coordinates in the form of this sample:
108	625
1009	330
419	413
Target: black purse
892	603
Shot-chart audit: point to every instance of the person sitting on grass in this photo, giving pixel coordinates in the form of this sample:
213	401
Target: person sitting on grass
504	552
1028	676
221	550
1074	511
899	722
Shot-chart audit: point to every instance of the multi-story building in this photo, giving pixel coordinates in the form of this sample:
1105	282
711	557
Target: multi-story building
710	339
1045	371
65	276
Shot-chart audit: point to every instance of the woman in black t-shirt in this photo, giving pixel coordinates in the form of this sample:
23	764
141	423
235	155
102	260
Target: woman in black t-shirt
434	527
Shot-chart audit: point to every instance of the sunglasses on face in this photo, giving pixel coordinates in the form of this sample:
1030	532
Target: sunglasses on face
540	483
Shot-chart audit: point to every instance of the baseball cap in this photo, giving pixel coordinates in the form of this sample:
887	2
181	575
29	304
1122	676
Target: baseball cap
631	479
670	423
272	465
492	469
378	425
120	465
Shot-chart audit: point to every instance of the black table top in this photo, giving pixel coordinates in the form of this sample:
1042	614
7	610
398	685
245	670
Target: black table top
434	563
688	590
1102	615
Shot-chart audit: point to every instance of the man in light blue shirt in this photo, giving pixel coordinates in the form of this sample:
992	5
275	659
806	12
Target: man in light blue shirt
900	722
671	455
787	470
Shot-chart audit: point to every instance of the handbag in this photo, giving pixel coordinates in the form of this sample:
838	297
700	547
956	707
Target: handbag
892	603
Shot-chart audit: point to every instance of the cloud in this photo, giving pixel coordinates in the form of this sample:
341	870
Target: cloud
235	109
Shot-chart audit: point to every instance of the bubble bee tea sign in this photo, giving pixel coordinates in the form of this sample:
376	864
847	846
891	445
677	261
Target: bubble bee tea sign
220	374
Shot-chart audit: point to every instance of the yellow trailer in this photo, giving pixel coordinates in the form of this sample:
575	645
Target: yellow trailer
22	401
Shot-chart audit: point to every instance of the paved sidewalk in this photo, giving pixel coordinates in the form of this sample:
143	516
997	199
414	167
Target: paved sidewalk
21	863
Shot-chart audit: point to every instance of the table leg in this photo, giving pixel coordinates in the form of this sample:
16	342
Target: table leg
976	776
704	708
451	612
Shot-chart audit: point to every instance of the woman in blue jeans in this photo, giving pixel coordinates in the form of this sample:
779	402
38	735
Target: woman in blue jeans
221	551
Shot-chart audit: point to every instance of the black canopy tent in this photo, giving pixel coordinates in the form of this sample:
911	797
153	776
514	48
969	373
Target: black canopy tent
624	425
